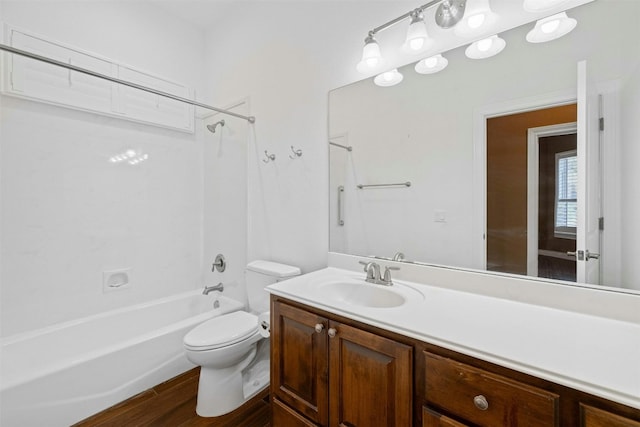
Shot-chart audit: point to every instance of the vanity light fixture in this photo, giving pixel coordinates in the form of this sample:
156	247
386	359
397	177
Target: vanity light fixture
470	19
371	57
418	39
431	65
551	28
388	78
449	13
541	5
485	48
478	18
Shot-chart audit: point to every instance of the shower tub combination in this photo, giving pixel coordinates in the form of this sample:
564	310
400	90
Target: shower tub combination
62	374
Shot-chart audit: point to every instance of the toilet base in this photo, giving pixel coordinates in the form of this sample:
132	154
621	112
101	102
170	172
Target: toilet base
220	390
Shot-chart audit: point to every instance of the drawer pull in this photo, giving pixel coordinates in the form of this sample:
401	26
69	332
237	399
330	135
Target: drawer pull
319	327
332	332
481	402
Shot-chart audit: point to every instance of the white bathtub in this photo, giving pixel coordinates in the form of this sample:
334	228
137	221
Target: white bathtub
62	374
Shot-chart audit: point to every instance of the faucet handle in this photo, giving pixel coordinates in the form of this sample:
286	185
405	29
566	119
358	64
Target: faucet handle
387	274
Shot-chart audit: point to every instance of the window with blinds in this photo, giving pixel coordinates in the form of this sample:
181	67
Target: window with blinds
566	209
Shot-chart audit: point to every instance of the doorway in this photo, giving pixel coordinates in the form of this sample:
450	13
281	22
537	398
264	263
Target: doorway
556	216
507	186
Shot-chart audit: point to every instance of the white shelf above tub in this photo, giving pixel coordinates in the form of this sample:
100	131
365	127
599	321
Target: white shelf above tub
29	79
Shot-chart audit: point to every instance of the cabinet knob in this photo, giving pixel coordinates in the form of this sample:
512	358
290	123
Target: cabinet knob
481	402
319	327
332	332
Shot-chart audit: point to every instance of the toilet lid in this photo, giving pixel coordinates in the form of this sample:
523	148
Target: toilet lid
222	331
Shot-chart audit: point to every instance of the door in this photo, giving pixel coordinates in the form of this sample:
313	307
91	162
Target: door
299	361
588	147
370	379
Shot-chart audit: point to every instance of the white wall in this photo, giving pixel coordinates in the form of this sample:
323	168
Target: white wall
285	57
68	214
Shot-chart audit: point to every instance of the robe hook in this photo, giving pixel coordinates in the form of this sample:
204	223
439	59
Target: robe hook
269	157
296	153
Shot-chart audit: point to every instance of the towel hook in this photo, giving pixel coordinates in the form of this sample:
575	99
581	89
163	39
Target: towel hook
296	153
269	157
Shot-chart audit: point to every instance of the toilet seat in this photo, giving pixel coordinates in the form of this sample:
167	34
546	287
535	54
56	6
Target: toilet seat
222	331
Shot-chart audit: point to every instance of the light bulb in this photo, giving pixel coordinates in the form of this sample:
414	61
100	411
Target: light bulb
431	65
485	44
372	62
485	48
371	57
431	62
478	19
416	44
388	78
417	39
475	21
550	27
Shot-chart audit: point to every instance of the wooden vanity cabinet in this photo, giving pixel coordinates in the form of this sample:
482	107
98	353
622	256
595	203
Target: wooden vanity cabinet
327	372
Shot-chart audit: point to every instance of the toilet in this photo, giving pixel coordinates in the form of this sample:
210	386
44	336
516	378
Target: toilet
226	345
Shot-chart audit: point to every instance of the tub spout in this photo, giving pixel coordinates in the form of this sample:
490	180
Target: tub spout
218	287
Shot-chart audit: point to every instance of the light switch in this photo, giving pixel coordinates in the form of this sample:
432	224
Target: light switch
440	216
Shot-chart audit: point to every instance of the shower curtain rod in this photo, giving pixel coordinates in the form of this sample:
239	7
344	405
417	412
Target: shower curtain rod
10	49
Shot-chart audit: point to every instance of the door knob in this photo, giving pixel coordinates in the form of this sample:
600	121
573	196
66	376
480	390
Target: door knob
332	332
319	327
578	254
591	255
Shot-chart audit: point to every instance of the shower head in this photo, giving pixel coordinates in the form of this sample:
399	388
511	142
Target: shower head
212	128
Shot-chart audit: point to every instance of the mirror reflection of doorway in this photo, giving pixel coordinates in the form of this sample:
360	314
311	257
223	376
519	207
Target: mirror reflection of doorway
508	196
557	206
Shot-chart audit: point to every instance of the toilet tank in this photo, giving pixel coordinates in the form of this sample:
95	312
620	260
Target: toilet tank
260	274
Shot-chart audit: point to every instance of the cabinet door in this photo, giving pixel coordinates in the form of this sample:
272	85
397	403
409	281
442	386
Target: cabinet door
370	379
299	361
282	415
594	417
434	419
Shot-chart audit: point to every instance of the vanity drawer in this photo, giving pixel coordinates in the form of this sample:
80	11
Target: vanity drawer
484	398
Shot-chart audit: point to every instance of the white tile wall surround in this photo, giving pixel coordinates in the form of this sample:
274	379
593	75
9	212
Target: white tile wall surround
68	212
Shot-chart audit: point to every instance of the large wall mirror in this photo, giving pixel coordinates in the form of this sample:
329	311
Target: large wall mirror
483	162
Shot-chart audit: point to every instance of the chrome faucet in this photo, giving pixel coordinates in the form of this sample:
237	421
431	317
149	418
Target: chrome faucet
218	287
373	273
399	256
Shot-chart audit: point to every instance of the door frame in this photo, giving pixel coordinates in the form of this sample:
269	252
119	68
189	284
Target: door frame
481	115
533	181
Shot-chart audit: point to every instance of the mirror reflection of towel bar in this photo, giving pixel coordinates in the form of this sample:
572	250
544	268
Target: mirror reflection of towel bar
400	184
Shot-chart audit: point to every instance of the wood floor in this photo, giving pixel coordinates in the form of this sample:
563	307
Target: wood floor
173	404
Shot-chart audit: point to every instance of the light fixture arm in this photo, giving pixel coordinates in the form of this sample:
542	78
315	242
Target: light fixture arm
401	18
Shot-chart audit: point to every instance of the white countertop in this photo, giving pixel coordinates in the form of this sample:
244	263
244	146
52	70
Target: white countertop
593	353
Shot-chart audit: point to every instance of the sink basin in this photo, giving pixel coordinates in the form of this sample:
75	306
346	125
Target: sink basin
363	294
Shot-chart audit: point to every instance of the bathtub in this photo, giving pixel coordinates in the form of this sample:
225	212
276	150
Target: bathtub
61	374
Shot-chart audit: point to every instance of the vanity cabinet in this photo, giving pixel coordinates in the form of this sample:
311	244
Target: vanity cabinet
327	372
